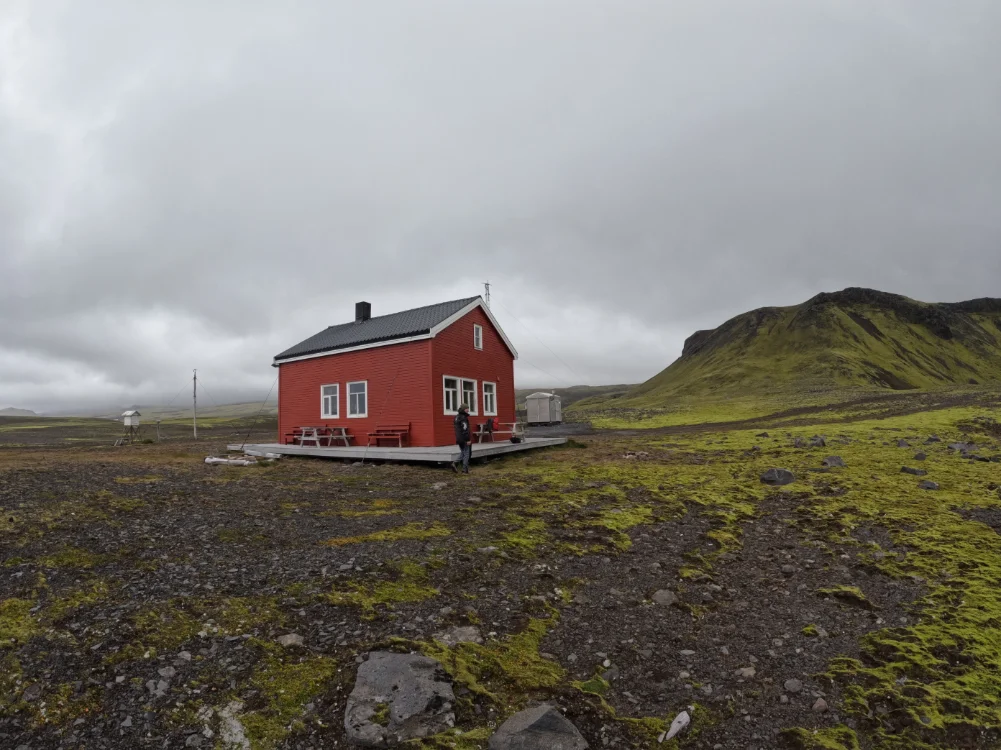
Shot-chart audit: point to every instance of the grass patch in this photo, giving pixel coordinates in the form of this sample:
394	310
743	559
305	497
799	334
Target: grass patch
415	530
411	585
17	625
832	738
285	685
505	671
849	595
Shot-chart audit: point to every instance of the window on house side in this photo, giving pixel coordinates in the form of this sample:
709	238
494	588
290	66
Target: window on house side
490	399
358	399
478	336
451	386
469	395
330	401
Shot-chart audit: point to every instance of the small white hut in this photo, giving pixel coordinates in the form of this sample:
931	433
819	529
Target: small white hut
544	408
131	418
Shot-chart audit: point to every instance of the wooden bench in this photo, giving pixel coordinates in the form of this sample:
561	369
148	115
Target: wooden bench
397	432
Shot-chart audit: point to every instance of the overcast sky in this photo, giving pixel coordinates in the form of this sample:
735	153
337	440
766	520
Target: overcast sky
203	184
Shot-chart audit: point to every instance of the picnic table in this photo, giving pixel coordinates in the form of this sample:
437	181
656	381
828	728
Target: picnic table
316	435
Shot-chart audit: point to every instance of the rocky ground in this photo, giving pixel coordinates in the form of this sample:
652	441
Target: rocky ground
150	600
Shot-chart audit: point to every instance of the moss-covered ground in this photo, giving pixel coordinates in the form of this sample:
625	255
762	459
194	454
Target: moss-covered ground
625	578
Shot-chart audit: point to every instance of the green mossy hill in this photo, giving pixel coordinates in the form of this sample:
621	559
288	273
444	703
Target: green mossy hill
853	339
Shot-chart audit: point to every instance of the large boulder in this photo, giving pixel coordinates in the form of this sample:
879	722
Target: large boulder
834	461
398	697
538	728
778	477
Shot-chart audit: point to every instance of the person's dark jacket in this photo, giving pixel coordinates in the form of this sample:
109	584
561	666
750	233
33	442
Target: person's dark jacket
461	423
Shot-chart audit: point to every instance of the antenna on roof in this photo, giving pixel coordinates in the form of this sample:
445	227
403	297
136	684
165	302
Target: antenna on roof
486	286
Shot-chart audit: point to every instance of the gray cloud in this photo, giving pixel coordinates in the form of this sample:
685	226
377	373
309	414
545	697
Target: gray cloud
202	184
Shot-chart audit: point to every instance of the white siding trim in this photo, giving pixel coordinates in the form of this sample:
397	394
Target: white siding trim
434	332
478	302
373	345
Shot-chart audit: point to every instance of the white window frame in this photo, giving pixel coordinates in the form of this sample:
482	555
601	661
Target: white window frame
348	392
489	412
337	401
477	336
473	406
445	390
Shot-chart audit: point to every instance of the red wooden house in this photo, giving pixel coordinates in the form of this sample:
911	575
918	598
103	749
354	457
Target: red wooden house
411	368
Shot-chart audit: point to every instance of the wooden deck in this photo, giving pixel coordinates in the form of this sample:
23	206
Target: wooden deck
435	454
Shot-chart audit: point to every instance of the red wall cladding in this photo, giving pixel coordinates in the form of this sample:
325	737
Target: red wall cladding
399	390
454	355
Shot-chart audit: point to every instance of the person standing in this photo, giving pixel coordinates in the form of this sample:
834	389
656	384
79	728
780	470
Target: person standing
462	439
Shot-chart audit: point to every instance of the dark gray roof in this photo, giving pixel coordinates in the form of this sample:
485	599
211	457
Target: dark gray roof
399	325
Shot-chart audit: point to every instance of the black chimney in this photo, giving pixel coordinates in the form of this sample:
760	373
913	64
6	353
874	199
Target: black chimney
363	311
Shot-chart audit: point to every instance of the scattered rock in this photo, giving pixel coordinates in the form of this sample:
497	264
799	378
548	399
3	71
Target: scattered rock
292	639
746	673
681	721
231	731
927	484
665	597
438	486
934	439
460	634
920	456
398	697
834	461
915	472
539	728
793	686
820	706
818	441
903	443
762	434
778	477
788	570
962	447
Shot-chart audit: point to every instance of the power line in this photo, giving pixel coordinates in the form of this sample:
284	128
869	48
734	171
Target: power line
263	404
547	374
523	325
175	397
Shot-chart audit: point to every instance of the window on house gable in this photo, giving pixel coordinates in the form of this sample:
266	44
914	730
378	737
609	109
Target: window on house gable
358	399
478	336
330	401
490	399
451	386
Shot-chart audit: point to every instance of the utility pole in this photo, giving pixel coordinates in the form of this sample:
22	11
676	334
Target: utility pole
194	401
486	285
